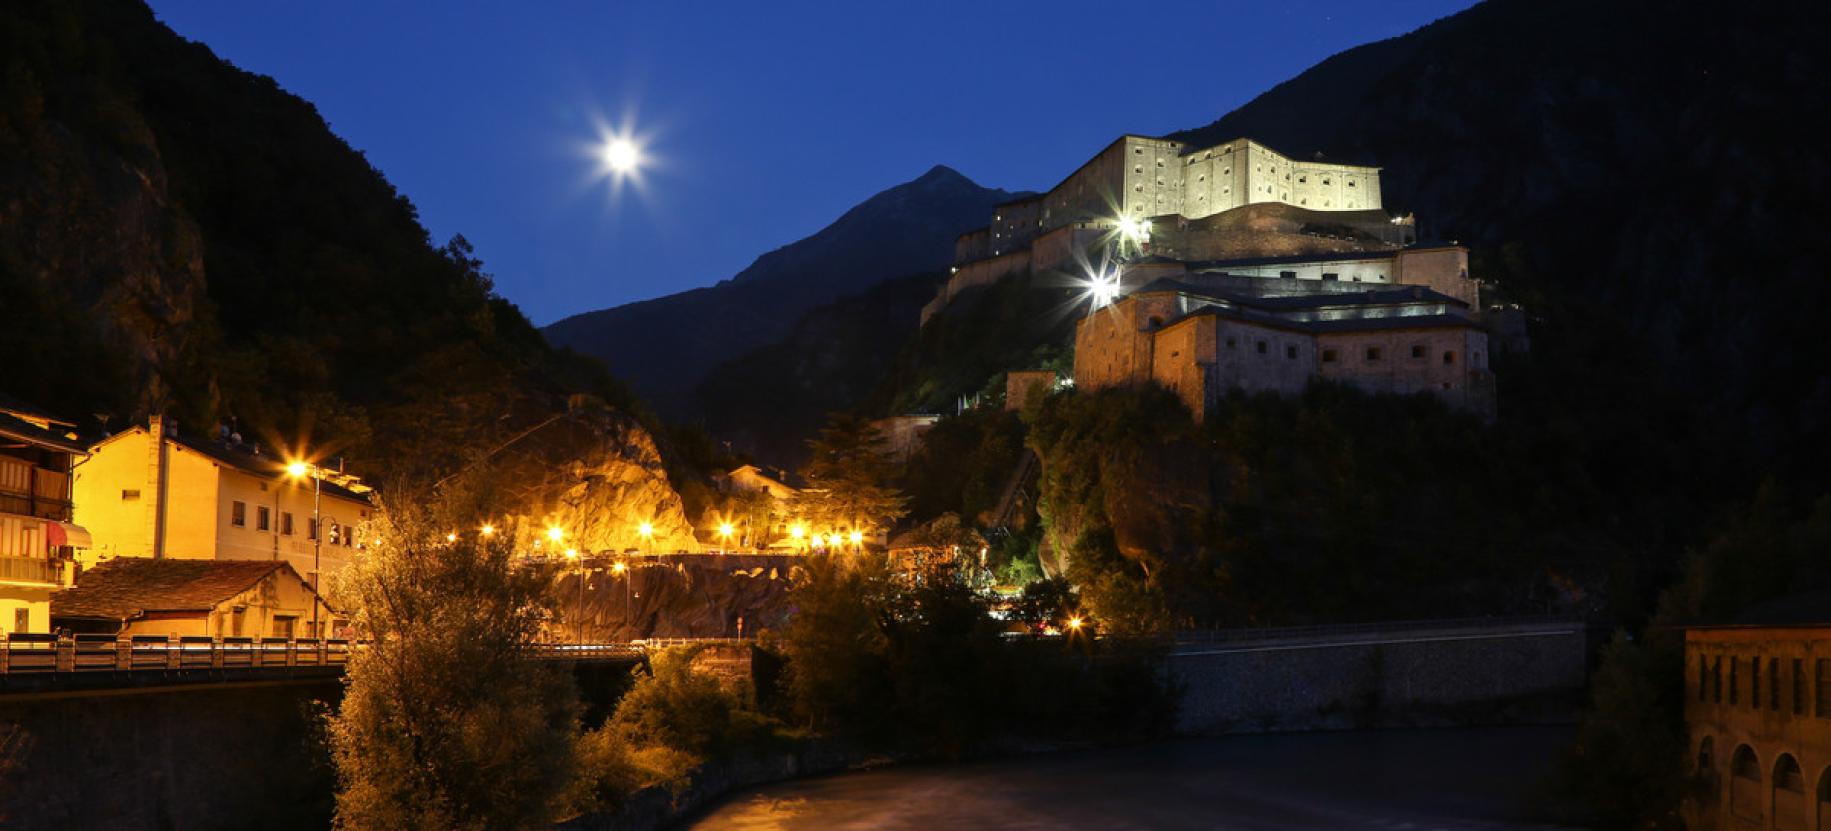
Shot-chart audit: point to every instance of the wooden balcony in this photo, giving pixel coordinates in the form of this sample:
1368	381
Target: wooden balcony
30	490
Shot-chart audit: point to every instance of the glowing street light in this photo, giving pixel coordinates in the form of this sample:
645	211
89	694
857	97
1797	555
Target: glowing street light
647	531
1075	623
554	533
299	469
857	537
487	530
451	537
725	530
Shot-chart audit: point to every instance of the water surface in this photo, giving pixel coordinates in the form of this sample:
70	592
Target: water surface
1474	778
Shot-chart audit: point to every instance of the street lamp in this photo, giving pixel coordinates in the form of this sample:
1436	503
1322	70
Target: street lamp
623	571
487	530
797	533
298	470
858	538
647	530
578	621
724	535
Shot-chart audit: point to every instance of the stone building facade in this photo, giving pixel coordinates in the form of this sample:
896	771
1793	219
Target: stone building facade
1758	708
1201	340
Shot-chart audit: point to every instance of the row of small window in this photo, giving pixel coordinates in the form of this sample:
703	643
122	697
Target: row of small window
1330	277
263	521
1374	353
1710	684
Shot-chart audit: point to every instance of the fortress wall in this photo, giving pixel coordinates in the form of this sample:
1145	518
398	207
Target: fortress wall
1456	675
1180	358
1014	224
973	245
1444	270
1396	371
1240	364
1213	182
1055	251
977	273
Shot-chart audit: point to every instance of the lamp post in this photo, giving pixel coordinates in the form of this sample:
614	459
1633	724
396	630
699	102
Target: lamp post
647	530
297	470
724	536
578	621
623	570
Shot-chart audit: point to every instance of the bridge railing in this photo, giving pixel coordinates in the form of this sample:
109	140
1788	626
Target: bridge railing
35	654
27	653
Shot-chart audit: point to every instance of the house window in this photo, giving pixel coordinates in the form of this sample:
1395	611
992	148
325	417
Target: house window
1716	679
311	528
1331	276
1328	356
238	514
1821	685
1290	352
1754	683
22	620
1703	677
1734	679
1230	343
286	523
1373	353
1773	684
1288	275
236	619
282	626
1417	350
1799	687
1261	346
130	495
263	518
1449	357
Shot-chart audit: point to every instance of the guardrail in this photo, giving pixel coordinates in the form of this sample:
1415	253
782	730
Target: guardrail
42	654
23	653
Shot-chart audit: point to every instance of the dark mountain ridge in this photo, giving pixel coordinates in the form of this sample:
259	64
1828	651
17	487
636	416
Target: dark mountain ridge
664	347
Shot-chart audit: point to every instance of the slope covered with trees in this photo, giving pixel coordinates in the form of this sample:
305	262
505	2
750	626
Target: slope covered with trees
178	235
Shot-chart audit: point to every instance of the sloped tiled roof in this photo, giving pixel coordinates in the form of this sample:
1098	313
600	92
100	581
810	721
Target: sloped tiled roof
128	587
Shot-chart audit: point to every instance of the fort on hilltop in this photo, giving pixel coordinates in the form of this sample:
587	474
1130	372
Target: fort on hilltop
1236	267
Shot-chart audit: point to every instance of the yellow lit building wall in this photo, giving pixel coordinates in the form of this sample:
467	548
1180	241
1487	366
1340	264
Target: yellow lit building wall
113	498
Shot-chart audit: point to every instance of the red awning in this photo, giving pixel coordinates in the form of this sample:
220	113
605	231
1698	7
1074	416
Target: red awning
64	533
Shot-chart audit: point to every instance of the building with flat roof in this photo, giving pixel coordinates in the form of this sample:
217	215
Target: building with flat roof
1204	337
1758	709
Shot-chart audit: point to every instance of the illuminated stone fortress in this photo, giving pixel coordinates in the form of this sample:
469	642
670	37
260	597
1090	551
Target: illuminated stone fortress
1235	267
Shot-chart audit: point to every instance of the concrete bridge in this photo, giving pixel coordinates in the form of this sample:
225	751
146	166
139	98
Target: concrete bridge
36	664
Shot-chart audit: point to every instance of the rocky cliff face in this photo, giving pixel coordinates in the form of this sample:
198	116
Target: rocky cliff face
180	236
675	597
598	477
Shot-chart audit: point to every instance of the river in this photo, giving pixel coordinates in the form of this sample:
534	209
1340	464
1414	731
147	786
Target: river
1469	778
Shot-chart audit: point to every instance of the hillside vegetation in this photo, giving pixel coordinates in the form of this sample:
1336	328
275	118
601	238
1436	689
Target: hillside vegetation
179	235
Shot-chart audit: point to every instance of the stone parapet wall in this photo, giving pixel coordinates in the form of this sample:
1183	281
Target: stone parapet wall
1481	673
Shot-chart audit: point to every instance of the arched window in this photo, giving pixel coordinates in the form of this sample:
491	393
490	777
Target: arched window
1745	792
1789	795
1707	756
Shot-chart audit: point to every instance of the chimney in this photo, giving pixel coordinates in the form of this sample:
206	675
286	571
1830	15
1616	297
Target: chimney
156	481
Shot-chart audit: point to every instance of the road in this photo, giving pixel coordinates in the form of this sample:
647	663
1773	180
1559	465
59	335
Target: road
1472	778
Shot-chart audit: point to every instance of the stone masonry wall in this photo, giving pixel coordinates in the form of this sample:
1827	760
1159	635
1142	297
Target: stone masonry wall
1448	675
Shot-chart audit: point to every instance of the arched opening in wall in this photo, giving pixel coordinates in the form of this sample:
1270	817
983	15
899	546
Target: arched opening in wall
1709	790
1824	798
1789	795
1745	791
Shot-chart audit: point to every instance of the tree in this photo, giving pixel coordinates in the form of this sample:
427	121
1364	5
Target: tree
849	479
838	677
446	721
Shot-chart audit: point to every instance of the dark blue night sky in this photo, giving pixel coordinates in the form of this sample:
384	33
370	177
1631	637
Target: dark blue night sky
761	121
